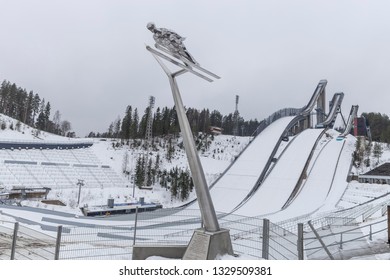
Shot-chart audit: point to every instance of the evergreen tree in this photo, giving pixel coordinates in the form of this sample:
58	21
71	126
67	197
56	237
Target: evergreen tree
126	123
117	127
149	174
134	125
140	172
216	118
377	151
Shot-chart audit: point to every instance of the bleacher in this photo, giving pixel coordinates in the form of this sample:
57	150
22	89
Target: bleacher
55	168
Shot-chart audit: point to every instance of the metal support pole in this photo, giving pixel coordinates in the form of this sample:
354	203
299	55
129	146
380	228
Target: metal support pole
202	191
14	239
58	243
300	244
370	232
265	247
320	240
388	224
135	225
341	241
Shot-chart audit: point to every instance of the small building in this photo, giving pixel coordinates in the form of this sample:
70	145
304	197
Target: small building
215	130
378	175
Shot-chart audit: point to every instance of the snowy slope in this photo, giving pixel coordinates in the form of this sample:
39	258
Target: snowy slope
238	181
326	182
278	186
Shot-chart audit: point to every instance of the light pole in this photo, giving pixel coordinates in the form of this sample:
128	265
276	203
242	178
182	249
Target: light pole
80	183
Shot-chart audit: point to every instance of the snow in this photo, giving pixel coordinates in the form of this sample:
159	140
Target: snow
278	186
325	188
239	180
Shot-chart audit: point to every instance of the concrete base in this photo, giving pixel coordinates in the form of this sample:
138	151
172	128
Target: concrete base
143	251
208	245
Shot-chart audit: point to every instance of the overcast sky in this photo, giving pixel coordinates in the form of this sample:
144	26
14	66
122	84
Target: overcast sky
88	57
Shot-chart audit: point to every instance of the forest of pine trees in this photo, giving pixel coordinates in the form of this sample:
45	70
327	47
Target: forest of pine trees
165	122
379	126
31	109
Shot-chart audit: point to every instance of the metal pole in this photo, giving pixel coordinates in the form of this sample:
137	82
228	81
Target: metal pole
58	243
388	224
341	241
202	191
370	232
300	243
320	240
80	183
133	179
135	225
265	247
14	239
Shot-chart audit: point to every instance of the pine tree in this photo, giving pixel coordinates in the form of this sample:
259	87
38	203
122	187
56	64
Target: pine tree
139	172
149	173
126	123
134	125
174	184
377	151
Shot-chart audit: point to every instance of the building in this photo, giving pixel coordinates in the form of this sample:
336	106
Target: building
215	130
378	175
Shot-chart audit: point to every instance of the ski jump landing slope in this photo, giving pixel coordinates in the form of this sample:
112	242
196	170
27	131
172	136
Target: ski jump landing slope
280	183
241	177
326	182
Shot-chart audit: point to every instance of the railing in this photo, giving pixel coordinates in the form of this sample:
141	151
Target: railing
44	144
286	112
338	240
18	242
251	236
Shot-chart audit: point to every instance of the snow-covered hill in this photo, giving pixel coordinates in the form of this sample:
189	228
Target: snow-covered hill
216	153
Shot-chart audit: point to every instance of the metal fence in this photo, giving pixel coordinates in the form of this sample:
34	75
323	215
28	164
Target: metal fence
18	242
331	237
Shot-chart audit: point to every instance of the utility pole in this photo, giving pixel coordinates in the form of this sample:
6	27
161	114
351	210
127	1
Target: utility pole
80	183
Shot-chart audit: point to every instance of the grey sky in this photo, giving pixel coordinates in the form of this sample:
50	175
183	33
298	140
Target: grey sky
88	57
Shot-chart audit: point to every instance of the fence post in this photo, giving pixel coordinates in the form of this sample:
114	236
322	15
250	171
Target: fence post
370	232
14	239
265	248
135	225
388	224
58	243
300	244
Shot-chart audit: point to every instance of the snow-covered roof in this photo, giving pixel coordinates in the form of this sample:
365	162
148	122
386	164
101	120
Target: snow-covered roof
382	170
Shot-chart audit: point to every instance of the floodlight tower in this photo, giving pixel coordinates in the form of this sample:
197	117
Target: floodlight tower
148	137
235	118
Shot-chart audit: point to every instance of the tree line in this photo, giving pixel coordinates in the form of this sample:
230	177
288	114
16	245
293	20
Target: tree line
31	109
379	126
165	122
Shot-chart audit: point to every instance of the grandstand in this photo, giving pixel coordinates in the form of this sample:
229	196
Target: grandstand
54	165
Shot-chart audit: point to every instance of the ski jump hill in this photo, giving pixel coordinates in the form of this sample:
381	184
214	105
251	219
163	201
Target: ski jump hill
292	167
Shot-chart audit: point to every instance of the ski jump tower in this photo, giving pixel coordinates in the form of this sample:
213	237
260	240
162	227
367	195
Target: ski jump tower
148	139
210	240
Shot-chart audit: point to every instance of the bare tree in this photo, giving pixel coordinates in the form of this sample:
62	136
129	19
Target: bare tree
65	126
